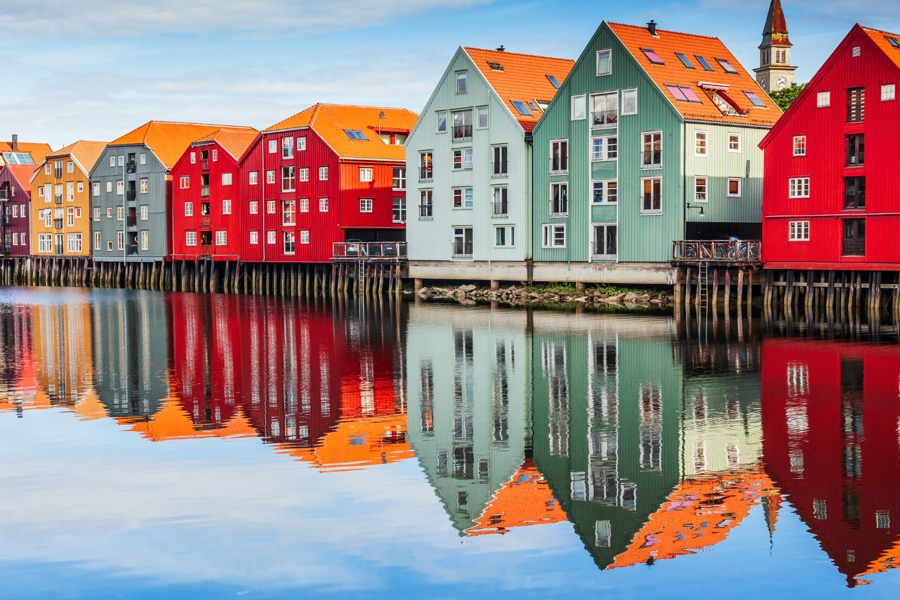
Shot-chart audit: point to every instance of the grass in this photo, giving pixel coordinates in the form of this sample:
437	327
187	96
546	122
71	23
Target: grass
569	288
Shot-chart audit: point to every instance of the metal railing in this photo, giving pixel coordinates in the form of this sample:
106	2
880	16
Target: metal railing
500	170
131	195
204	164
426	173
6	220
462	133
5	248
425	211
207	250
369	251
204	221
130	167
59	200
204	191
57	223
738	251
853	247
132	221
499	208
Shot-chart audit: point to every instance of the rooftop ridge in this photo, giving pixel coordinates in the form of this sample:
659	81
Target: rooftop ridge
706	37
866	27
502	52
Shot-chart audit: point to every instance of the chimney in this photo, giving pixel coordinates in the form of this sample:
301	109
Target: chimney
651	27
501	48
15	143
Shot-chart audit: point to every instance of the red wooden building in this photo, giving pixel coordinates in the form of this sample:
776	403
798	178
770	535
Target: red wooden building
831	195
332	173
206	215
15	207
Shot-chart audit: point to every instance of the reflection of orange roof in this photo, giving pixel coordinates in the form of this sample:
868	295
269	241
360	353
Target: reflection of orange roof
889	560
173	423
523	78
168	140
524	500
666	43
37	150
89	407
699	513
233	140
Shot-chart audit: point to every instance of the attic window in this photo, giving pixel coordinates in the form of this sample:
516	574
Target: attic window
754	99
703	63
682	93
726	65
684	60
533	106
356	134
856	51
894	41
495	66
553	81
654	58
522	108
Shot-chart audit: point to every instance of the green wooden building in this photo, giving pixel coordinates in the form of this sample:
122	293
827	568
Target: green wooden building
651	138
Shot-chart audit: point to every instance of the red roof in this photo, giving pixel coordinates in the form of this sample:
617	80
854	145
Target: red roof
23	174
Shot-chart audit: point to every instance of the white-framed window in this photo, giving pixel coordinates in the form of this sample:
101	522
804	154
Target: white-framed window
823	99
365	174
553	235
109	212
254	177
120	238
270	176
579	107
605	241
70	167
270	237
798	231
145	240
221	238
112	163
189	209
15	211
98	242
96	190
47	167
629	102
734	187
323	173
254	207
559	156
398	212
96	214
425	205
559	199
15	239
287	147
734	142
481	120
701	189
145	186
365	205
289	239
193	158
462	159
651	157
226	178
504	236
398	179
604	62
605	191
287	178
145	213
651	195
143	158
80	187
190	238
604	110
270	207
120	213
254	237
108	187
304	205
500	206
70	191
798	187
304	236
226	207
70	217
799	145
441	121
323	204
462	242
604	148
462	82
120	188
273	146
303	174
888	91
301	143
289	210
109	247
41	192
701	143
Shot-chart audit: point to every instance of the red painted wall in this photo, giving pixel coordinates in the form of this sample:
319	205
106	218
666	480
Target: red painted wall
20	224
825	130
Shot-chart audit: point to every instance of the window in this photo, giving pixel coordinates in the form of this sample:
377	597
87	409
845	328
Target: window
289	239
254	237
189	209
120	188
399	179
120	214
15	211
652	56
323	173
143	159
145	213
441	121
823	99
109	212
288	212
193	158
270	176
700	189
799	145
463	198
726	66
287	178
425	206
854	193
109	186
554	236
80	187
253	177
287	147
270	207
145	240
145	186
97	241
604	62
365	174
70	217
605	192
887	91
112	163
270	237
304	205
856	105
190	238
559	199
301	143
96	214
499	164
221	238
121	240
500	206
254	207
47	167
462	242
226	207
684	60
629	102
504	237
462	159
893	41
652	195
462	125
652	155
398	214
856	150
482	117
605	244
553	81
798	231
226	178
215	155
522	108
559	156
73	242
798	187
303	174
701	143
273	146
304	236
734	142
604	110
96	189
425	166
365	205
604	148
754	99
109	247
578	107
682	93
734	187
461	87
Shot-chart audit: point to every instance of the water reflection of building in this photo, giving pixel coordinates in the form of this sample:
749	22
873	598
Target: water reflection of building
830	420
18	387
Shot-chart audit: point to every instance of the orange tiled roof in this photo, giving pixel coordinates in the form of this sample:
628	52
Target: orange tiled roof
167	139
330	120
233	139
23	173
880	40
85	152
37	150
523	78
673	72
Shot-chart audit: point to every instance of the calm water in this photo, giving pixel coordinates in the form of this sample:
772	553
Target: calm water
206	446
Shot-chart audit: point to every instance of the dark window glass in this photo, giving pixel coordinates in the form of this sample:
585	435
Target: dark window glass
856	150
854	193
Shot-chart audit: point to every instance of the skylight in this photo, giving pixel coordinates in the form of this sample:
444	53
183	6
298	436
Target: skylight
894	42
533	106
356	134
18	158
654	58
726	65
684	60
682	93
495	66
522	108
703	62
553	81
754	99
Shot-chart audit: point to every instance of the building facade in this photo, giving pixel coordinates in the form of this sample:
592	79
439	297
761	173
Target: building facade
652	138
61	211
775	71
331	174
15	207
831	188
469	160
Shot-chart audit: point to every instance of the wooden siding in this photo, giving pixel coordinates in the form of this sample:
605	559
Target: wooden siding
81	201
379	190
20	197
433	239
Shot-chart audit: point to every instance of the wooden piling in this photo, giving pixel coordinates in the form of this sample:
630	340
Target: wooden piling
740	288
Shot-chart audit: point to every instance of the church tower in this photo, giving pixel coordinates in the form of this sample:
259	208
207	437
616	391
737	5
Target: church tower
774	72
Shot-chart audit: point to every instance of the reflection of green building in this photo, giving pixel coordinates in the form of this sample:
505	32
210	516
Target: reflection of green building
469	382
130	352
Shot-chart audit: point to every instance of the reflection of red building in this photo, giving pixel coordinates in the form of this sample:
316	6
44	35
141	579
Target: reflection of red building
830	428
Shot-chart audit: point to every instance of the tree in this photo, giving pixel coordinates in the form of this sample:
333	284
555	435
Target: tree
785	97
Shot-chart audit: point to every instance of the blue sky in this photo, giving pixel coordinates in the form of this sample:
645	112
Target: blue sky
95	70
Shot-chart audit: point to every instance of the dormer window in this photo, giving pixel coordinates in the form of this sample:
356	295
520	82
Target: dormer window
684	60
553	81
522	108
727	66
703	63
652	56
495	66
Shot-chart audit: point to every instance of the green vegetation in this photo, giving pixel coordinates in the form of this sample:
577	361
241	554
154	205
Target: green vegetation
569	288
784	98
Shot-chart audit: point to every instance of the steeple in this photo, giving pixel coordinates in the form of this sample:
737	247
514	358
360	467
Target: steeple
775	30
775	72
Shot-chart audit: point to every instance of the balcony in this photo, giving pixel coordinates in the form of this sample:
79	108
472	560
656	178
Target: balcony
204	221
204	191
425	211
853	247
6	220
132	221
207	250
425	173
132	250
58	200
462	133
4	195
131	195
130	167
57	223
5	248
204	164
721	252
373	252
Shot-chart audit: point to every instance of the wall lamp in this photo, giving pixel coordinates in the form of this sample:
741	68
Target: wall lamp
702	214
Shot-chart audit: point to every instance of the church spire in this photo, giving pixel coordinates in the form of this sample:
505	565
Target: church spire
775	71
775	30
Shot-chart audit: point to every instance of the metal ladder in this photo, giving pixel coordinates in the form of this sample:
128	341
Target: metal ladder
703	285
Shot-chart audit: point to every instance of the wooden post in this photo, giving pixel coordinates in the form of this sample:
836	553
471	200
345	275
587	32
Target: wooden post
829	298
789	291
740	288
750	293
687	290
727	292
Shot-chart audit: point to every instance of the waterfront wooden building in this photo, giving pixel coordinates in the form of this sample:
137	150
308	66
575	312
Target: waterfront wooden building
469	159
652	138
206	214
61	210
15	207
320	182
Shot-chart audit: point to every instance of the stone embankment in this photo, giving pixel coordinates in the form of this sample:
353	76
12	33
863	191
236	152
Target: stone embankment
519	295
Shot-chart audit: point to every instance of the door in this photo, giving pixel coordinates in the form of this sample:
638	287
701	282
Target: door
854	242
605	242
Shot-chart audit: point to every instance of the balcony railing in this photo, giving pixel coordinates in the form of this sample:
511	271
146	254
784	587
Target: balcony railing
4	194
207	250
462	133
499	208
57	223
130	167
854	247
369	251
131	195
731	251
59	200
5	248
132	221
426	173
132	249
204	221
500	170
5	219
204	191
425	211
204	164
